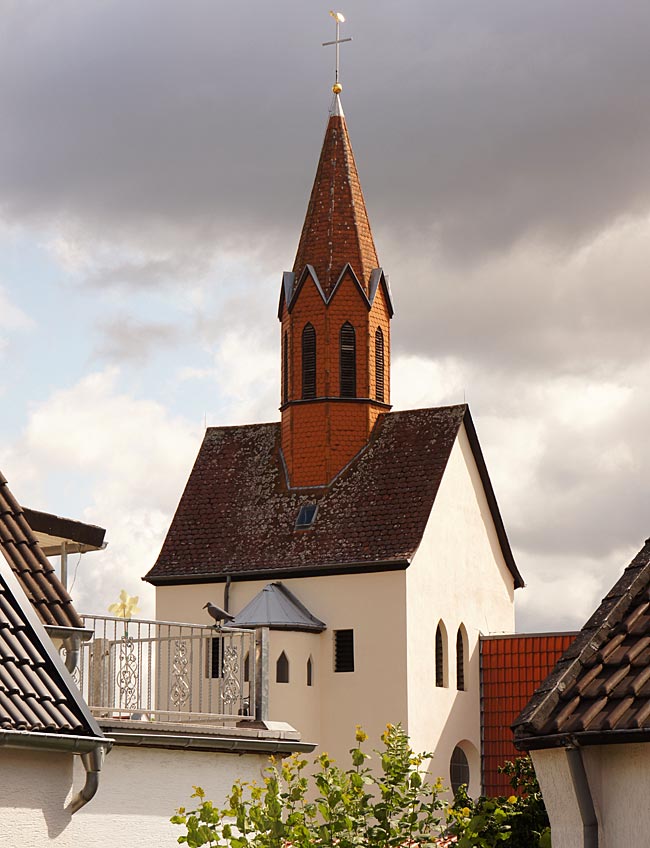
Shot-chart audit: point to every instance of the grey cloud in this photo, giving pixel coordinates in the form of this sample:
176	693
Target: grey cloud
129	340
483	121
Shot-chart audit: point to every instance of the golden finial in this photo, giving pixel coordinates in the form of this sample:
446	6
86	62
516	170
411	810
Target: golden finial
337	88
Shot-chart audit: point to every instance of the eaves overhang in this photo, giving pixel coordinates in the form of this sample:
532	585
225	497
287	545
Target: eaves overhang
278	572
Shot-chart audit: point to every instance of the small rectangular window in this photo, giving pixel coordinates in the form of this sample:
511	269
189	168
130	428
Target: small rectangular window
306	515
344	650
214	657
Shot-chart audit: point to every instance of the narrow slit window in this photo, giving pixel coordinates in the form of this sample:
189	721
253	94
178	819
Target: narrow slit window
214	658
308	362
247	668
379	365
282	669
344	650
460	661
310	672
285	369
441	655
348	357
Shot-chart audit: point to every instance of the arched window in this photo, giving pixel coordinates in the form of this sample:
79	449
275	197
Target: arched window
308	362
458	769
442	676
310	672
379	364
282	669
285	369
460	659
348	357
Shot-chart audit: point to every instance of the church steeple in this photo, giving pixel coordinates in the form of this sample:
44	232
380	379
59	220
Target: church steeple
335	309
336	229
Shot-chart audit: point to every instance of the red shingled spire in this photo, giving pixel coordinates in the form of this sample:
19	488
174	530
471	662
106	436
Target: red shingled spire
336	229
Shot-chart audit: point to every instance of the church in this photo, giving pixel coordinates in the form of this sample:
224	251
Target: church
368	541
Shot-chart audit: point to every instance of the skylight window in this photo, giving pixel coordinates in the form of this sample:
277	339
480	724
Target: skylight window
306	515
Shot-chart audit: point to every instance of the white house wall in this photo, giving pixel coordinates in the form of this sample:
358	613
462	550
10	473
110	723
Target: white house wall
459	576
373	605
138	792
619	781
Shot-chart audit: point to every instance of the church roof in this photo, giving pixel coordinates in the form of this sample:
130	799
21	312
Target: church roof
238	516
599	691
34	571
278	608
336	229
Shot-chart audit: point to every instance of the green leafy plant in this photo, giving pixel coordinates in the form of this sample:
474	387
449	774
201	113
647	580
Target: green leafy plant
520	820
352	808
393	806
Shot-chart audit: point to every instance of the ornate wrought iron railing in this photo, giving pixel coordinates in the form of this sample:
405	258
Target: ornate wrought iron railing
171	671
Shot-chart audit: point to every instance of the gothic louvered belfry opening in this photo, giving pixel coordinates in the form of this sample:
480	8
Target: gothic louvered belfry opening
348	361
308	362
379	365
460	661
285	368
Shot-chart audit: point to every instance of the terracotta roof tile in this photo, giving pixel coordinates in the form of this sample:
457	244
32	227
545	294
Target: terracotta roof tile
511	668
602	682
336	229
34	571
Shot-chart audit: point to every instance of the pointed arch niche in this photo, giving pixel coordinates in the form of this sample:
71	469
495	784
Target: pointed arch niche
442	656
282	669
461	659
310	671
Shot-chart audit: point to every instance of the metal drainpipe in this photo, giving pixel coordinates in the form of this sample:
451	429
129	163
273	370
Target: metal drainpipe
72	647
583	794
226	593
92	762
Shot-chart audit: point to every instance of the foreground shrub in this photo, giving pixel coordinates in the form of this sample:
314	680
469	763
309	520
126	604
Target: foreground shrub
397	807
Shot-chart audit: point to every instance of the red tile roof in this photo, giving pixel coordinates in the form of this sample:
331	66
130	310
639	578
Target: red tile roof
511	669
599	691
30	565
237	514
336	229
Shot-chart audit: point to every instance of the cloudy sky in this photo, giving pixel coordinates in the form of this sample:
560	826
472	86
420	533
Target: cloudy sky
155	164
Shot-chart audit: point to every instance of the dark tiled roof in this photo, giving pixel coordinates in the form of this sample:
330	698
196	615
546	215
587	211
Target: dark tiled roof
30	565
36	692
237	515
512	667
600	689
278	608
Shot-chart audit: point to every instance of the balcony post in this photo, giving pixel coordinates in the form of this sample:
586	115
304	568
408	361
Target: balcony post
262	673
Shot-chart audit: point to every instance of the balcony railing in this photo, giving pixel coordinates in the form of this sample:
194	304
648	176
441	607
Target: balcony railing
173	672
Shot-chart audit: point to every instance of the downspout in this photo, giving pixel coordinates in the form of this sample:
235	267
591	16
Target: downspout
226	593
583	795
72	646
92	762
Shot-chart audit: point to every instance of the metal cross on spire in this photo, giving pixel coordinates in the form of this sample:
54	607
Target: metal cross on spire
340	19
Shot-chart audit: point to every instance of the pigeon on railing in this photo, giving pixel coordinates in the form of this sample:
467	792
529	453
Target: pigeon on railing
219	615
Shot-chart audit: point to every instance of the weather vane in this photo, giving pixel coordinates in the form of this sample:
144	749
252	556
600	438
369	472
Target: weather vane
340	19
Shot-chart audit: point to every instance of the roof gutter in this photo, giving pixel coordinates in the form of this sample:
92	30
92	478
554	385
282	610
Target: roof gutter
92	752
583	795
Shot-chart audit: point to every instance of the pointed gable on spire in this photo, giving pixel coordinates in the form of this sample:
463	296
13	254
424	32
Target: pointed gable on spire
336	229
